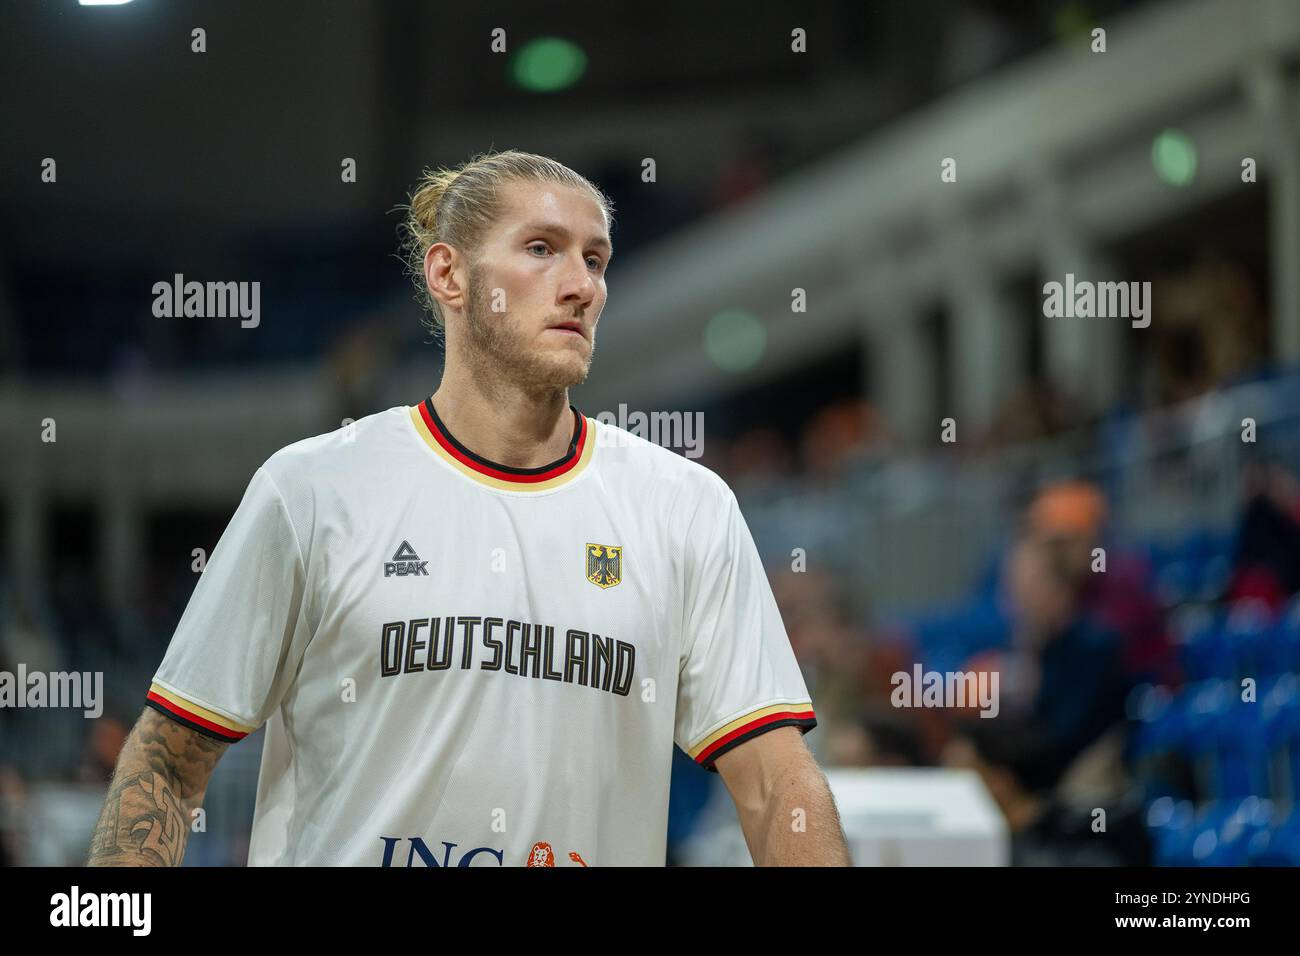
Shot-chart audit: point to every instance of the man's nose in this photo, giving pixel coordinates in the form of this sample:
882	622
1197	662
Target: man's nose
577	285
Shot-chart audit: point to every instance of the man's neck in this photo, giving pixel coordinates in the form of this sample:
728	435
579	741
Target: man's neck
505	424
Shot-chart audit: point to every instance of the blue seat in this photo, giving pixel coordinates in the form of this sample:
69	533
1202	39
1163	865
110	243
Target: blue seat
1158	739
1219	833
1280	709
1170	823
1282	654
1196	567
1248	632
1177	581
1160	721
1279	845
946	639
1226	740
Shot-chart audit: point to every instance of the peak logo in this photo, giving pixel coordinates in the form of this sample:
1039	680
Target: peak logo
405	562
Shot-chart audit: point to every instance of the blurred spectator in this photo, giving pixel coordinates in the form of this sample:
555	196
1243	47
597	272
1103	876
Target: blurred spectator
1121	598
1266	563
1062	686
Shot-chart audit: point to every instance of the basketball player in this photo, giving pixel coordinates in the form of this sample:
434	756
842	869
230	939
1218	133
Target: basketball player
475	626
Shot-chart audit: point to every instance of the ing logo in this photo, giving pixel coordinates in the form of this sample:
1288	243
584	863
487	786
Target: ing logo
542	855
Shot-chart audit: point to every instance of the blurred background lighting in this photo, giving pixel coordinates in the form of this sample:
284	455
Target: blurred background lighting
1174	156
548	64
734	340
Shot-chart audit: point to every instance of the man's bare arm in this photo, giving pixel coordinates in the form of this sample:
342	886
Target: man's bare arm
161	777
786	809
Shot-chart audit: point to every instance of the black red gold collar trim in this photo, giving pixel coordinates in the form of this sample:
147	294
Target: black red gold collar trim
431	429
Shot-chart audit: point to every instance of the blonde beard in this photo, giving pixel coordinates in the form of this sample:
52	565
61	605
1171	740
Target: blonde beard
499	362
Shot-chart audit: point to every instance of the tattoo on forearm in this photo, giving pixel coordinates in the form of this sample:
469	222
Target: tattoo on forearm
143	816
160	778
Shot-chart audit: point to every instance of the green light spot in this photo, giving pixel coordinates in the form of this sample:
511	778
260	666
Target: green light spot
734	340
547	64
1174	156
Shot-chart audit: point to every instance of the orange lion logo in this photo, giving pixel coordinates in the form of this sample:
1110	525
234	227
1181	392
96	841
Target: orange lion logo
542	855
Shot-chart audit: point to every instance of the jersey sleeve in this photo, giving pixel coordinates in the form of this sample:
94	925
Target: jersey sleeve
242	635
739	677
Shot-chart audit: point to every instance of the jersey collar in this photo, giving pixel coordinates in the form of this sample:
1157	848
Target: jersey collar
564	469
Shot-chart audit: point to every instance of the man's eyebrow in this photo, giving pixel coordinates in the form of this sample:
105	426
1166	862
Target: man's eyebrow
556	229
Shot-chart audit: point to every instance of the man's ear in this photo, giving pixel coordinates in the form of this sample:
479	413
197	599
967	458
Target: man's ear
443	275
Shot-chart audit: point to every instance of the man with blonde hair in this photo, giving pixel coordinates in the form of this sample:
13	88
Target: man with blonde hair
471	628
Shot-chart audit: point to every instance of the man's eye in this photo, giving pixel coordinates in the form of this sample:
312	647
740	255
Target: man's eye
537	245
595	262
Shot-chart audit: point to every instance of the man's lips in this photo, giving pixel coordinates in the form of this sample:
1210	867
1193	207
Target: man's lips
574	328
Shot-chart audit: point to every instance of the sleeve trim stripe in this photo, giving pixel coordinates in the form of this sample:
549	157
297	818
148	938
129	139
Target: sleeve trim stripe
800	707
743	724
201	716
804	724
224	737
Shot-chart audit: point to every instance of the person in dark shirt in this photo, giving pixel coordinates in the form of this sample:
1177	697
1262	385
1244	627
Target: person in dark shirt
1266	558
1062	684
1054	752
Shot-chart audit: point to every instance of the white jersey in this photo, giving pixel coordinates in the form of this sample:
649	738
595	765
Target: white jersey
463	664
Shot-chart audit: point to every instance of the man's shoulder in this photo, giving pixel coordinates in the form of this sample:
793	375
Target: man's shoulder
652	462
355	448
